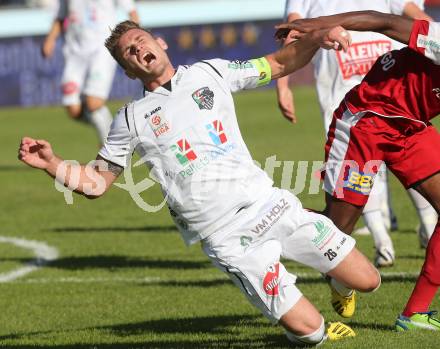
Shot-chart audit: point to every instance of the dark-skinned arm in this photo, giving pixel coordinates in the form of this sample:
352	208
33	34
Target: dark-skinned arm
393	26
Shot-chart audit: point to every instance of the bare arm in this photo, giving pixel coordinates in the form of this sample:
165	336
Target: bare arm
51	38
134	16
393	26
411	10
91	180
284	94
298	53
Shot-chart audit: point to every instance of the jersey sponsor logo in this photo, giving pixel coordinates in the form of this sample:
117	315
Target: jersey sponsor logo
155	120
387	61
159	125
70	87
184	153
324	234
360	57
428	42
245	241
272	279
359	182
154	111
193	167
237	64
341	243
269	219
216	132
204	98
436	91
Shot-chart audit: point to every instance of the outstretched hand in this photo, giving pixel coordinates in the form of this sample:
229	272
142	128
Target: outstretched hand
299	27
336	38
35	153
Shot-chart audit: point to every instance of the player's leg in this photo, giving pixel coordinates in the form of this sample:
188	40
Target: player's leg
72	83
255	267
365	279
423	174
96	90
345	215
74	110
258	273
320	244
427	215
351	164
416	313
98	115
305	326
387	207
375	222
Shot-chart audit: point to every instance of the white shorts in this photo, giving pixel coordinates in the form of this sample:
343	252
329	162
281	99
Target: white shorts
279	227
87	75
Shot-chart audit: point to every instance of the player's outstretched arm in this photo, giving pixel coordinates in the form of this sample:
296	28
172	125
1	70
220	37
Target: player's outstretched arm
412	10
91	181
298	53
49	43
396	27
284	93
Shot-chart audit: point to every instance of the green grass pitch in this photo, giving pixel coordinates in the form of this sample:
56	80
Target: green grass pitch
124	278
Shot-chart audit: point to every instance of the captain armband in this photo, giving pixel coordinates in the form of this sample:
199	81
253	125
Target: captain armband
264	70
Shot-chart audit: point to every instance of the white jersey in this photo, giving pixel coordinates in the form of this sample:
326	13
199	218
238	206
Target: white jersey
336	72
89	21
190	139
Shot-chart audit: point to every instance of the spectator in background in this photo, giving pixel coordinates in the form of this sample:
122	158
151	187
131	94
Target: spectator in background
336	73
89	68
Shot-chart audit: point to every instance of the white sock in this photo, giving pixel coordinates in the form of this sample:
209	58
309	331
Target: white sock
101	119
427	214
315	338
340	288
385	197
375	223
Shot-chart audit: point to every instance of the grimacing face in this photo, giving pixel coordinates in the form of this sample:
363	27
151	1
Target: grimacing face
143	55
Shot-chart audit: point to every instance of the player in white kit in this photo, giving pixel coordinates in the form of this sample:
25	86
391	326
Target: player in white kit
336	72
186	131
88	67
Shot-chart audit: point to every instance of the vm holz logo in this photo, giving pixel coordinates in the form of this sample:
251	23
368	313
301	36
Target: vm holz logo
184	153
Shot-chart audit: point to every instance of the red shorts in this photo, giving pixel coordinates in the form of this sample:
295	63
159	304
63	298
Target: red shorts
358	144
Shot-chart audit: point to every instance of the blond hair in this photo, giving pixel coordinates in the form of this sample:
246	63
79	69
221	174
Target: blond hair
111	43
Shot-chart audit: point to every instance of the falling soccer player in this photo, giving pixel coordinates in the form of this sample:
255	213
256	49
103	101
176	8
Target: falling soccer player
186	131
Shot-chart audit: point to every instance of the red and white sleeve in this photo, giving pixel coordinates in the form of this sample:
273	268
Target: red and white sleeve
425	39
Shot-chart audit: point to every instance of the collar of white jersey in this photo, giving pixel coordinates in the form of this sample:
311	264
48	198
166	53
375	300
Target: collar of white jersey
174	82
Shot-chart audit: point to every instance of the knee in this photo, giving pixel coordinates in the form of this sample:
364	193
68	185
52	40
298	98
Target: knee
74	111
314	336
371	281
94	103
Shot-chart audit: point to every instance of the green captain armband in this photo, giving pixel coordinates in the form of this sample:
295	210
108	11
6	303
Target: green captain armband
264	70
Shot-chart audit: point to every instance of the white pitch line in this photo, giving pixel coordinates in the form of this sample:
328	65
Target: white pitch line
159	280
43	253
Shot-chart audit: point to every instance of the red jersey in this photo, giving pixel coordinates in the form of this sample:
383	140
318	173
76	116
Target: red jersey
403	83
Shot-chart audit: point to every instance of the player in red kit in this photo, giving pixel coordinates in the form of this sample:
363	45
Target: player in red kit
386	118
